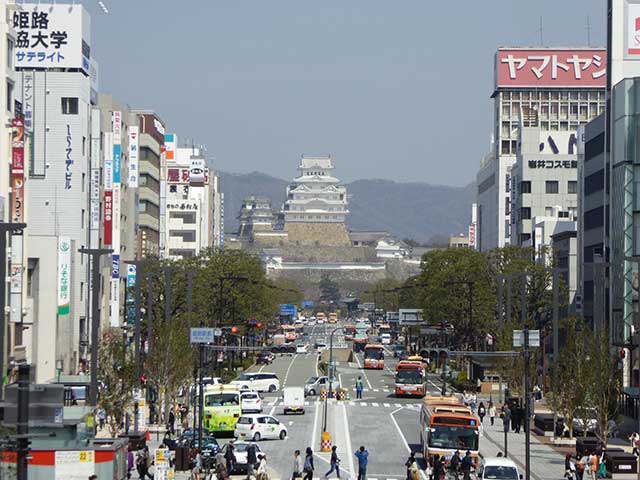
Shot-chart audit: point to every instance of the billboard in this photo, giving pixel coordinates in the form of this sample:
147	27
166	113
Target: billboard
170	145
108	217
64	275
17	147
52	36
632	43
133	156
196	171
524	67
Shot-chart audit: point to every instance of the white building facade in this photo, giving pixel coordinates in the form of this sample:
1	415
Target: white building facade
315	195
555	89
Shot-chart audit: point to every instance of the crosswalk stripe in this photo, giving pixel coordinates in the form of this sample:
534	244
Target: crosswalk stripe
374	405
386	405
398	405
364	404
376	390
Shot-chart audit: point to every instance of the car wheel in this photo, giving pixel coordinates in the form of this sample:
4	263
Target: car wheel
312	392
272	388
256	437
283	435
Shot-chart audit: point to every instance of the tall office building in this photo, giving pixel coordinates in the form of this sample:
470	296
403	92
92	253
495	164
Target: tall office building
556	90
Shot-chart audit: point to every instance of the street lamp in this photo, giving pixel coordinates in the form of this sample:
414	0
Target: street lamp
324	423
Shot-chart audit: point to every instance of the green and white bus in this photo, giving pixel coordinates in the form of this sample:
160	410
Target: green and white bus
222	408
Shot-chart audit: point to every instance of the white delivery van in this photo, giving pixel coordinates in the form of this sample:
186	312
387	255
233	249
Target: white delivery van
385	339
293	400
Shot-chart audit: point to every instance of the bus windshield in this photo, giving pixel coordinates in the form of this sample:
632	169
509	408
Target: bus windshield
455	438
222	400
374	354
410	377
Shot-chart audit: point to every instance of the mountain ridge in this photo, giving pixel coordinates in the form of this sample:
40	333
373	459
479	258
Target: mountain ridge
416	210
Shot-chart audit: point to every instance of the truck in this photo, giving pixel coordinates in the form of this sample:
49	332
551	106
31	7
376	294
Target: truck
293	400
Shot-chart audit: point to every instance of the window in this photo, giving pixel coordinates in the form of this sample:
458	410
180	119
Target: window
525	213
81	291
9	96
548	211
572	186
9	53
551	186
84	146
525	187
69	105
84	175
82	219
525	237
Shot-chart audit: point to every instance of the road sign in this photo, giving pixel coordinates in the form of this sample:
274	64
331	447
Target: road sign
534	338
202	335
217	332
410	316
288	309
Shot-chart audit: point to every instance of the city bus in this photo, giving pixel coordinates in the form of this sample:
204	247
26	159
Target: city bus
447	425
411	379
222	408
374	356
383	329
333	317
320	317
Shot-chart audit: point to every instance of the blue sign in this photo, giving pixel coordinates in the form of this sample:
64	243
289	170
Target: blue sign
202	335
288	309
117	157
115	266
307	304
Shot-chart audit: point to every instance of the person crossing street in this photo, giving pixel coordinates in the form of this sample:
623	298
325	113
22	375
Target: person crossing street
363	460
359	388
334	463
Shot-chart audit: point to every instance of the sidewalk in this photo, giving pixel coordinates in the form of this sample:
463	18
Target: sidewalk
546	463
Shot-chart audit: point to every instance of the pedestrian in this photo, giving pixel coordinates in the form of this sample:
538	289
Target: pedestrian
262	467
634	438
467	465
438	468
481	411
102	417
197	467
569	467
410	461
474	401
131	461
454	464
594	464
359	387
298	465
308	464
172	422
363	461
252	459
580	468
516	421
143	464
492	412
334	463
230	458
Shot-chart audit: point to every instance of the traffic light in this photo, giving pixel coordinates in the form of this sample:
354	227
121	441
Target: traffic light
259	324
234	329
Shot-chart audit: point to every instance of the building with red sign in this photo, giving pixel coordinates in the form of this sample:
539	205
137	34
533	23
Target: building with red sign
556	90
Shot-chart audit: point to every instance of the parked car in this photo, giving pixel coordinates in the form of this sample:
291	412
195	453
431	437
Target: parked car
250	402
288	348
210	449
240	452
258	426
498	468
264	358
258	381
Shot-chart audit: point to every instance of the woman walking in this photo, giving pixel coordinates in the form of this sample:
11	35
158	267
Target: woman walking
492	412
481	411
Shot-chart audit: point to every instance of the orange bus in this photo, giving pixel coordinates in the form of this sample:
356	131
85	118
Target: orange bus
374	356
410	379
447	425
349	331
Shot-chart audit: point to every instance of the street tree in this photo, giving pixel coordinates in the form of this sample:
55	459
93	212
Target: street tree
116	379
571	373
329	290
383	293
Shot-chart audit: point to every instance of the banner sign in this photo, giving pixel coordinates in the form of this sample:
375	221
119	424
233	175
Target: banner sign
17	147
64	275
27	100
52	36
107	207
68	162
115	218
17	204
196	172
133	157
527	67
170	144
632	44
116	120
74	465
95	199
114	289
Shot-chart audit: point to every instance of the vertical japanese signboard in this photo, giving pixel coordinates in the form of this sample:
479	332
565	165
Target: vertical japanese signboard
52	36
68	159
64	275
117	147
114	303
196	172
107	205
130	296
27	100
133	156
17	170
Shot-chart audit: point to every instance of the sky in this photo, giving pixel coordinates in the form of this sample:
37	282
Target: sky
392	89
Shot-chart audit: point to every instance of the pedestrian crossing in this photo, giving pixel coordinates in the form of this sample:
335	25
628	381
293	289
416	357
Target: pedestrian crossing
357	404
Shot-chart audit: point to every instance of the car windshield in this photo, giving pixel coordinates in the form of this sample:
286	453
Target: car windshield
456	438
500	472
409	377
246	376
221	399
311	380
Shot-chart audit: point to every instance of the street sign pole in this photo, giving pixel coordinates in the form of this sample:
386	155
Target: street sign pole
527	412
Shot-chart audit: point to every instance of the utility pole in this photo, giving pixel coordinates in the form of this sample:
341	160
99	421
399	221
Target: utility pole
24	374
527	406
14	229
94	255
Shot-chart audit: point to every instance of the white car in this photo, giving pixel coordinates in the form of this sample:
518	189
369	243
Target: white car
498	468
320	321
240	452
250	402
257	427
302	348
258	381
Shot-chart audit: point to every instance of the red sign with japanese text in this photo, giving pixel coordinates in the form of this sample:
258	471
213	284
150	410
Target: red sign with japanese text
17	147
551	68
107	211
17	199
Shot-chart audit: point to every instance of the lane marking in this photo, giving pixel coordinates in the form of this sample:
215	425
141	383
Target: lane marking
273	409
404	440
286	375
386	405
314	432
348	435
375	405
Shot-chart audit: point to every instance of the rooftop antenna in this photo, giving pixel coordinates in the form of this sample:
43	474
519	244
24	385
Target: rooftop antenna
541	33
588	31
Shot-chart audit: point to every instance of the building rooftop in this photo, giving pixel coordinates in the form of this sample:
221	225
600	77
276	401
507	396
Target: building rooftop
316	161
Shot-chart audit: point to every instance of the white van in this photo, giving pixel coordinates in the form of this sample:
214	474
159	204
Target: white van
498	468
293	400
385	339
